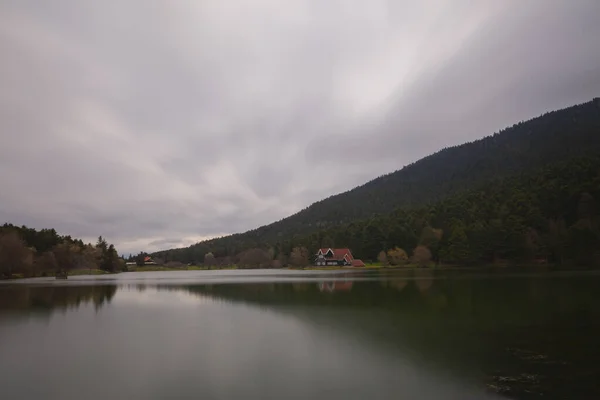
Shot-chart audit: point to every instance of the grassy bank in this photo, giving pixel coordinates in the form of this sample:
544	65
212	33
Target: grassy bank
76	272
149	268
368	266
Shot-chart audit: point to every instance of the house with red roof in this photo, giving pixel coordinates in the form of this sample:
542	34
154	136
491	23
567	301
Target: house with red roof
149	261
336	257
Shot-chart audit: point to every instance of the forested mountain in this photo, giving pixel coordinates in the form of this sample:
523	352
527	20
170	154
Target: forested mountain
555	136
30	252
523	182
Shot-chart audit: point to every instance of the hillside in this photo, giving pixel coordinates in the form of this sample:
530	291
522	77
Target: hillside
555	136
528	147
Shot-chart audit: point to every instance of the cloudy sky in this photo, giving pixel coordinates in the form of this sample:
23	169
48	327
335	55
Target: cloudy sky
160	123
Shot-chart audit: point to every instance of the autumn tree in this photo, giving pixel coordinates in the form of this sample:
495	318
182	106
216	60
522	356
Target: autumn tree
90	257
431	238
397	256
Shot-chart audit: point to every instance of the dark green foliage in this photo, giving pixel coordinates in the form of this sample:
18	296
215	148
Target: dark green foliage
50	252
139	259
527	194
457	249
110	260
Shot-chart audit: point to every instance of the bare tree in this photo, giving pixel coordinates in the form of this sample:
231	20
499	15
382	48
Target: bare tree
209	260
66	255
422	256
382	258
299	257
431	238
226	261
397	256
14	254
90	257
255	258
47	262
174	264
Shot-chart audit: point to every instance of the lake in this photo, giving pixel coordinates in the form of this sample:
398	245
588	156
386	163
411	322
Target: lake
276	334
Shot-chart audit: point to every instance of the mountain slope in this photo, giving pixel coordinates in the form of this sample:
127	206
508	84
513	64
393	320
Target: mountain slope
555	136
526	147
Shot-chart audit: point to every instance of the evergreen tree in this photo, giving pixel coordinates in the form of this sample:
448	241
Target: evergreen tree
457	249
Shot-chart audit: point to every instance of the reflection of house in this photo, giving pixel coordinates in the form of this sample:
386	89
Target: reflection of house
357	263
336	286
337	257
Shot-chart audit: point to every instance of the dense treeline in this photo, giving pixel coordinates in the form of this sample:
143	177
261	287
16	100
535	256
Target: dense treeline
29	252
549	215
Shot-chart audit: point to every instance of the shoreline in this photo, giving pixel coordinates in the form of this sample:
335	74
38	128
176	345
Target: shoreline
544	268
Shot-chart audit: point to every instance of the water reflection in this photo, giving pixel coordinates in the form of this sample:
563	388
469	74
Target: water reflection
45	299
335	286
525	337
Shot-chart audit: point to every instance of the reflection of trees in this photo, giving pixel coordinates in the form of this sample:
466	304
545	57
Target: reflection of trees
423	279
49	298
483	302
426	306
398	284
501	326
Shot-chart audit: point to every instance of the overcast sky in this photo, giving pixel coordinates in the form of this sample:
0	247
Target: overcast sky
159	123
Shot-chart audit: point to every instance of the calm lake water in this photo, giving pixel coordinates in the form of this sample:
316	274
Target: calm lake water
301	335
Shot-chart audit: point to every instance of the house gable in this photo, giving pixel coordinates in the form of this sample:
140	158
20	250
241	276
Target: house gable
331	256
326	252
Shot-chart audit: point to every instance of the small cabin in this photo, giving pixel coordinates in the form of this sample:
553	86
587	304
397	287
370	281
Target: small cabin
336	257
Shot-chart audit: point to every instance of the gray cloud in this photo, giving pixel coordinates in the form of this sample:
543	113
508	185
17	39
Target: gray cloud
159	123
